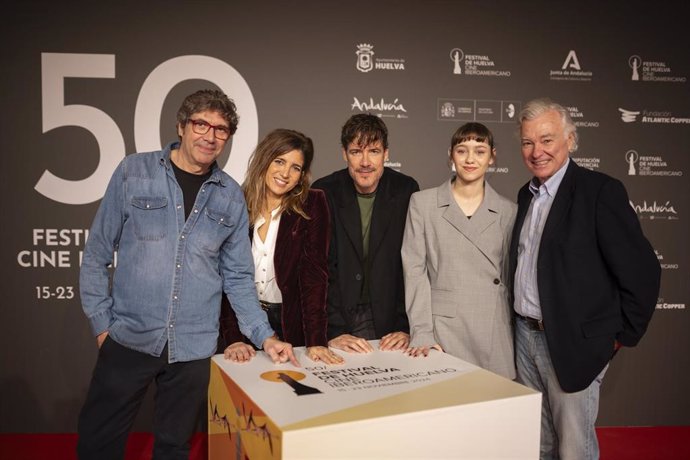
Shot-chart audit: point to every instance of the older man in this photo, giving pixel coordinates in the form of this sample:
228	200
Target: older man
586	280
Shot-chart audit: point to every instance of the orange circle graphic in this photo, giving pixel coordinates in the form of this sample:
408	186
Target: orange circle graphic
274	376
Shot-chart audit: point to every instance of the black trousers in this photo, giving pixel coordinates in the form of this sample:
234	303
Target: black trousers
118	386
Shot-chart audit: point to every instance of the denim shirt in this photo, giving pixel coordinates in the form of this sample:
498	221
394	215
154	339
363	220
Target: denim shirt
170	273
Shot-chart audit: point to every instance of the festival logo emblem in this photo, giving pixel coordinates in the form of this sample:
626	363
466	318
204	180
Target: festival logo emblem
475	64
634	62
456	55
653	70
650	164
292	379
631	157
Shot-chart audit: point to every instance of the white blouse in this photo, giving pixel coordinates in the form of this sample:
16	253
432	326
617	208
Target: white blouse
263	251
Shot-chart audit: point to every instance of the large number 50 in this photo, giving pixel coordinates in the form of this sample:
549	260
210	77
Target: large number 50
56	67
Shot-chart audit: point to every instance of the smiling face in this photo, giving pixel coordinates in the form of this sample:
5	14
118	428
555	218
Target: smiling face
545	144
197	152
471	159
365	164
283	174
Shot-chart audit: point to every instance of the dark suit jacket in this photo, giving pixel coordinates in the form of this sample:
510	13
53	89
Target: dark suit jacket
598	275
301	268
345	262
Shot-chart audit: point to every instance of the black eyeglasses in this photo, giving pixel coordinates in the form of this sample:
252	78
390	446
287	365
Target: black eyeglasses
201	127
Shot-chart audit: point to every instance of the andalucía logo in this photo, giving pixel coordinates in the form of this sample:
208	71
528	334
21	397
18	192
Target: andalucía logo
655	210
381	107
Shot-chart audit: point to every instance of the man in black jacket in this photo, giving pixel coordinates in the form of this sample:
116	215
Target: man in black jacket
368	204
586	280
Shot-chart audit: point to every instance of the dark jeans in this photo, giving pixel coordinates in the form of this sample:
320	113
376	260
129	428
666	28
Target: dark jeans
118	386
275	317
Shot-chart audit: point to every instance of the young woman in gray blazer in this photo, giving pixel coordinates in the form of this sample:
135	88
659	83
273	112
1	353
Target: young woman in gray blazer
455	261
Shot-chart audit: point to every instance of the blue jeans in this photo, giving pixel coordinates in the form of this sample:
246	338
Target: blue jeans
567	421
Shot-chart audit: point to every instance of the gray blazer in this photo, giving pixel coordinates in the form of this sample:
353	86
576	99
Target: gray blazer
456	270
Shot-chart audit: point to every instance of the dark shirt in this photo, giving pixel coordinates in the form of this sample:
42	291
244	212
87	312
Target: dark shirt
190	185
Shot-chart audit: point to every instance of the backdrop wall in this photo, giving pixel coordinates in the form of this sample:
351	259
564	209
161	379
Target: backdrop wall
85	83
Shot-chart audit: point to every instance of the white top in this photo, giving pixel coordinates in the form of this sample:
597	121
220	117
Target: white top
263	251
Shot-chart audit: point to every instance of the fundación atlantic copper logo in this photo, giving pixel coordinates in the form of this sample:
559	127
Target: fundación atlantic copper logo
291	378
628	116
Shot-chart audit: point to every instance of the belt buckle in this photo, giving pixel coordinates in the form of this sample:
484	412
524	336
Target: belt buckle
535	324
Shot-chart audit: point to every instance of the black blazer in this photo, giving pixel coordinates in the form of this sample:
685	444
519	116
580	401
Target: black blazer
345	264
598	275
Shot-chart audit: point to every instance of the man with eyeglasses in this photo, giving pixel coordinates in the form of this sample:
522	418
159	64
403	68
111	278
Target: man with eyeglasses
179	226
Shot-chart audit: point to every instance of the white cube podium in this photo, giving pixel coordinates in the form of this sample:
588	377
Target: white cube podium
378	405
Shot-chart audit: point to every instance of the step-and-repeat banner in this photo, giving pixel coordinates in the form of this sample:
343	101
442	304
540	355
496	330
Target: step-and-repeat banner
85	83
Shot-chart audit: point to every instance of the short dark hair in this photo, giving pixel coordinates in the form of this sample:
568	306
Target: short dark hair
209	99
472	131
364	128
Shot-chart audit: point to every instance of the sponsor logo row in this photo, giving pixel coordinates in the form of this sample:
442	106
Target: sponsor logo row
499	111
480	64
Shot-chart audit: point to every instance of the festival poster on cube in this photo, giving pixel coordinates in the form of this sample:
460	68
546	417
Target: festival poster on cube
255	406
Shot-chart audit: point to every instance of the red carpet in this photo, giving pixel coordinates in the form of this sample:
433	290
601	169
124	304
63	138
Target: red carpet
63	446
617	443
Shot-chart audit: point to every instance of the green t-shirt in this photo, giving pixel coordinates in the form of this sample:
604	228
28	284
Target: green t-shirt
366	206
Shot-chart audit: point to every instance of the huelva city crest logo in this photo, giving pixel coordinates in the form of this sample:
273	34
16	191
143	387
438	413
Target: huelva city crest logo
364	53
